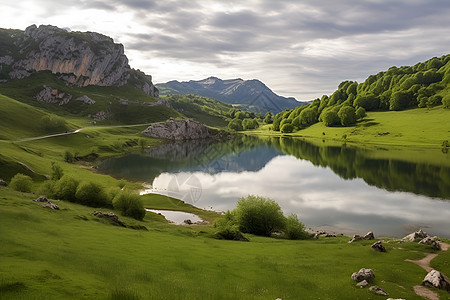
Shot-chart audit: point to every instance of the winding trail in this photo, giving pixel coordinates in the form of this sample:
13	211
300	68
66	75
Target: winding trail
424	263
76	131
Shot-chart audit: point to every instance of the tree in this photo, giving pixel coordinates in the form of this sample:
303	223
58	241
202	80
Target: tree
258	215
268	118
347	115
360	113
249	124
399	100
368	102
68	157
287	128
295	230
235	124
308	116
21	182
330	118
434	100
446	101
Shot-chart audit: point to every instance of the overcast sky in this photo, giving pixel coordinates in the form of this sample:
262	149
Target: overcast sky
302	49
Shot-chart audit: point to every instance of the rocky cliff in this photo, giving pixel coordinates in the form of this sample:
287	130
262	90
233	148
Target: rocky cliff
78	58
176	129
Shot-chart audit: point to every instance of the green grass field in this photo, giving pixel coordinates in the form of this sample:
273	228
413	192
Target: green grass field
420	127
70	254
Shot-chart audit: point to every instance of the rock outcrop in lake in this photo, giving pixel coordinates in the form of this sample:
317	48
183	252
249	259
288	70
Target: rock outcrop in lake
78	58
178	129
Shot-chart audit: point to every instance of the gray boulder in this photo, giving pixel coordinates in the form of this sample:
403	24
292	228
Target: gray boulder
41	199
437	280
377	290
355	238
432	241
378	246
369	236
363	274
3	183
50	205
362	284
109	216
420	234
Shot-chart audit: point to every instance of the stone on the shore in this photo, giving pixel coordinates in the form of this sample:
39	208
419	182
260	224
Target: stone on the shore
187	222
363	274
110	216
432	241
378	246
415	236
437	280
378	290
362	284
41	199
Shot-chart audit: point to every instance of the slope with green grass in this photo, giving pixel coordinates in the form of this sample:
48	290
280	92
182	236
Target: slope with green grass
415	127
70	254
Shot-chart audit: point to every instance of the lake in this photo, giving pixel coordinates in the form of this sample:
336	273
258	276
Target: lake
337	188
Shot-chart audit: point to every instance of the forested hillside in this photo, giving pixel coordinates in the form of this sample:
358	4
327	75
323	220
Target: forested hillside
423	85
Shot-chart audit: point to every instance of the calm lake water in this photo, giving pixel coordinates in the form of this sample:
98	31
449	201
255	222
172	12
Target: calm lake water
341	189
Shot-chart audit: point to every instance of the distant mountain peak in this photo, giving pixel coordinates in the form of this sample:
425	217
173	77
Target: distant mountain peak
250	94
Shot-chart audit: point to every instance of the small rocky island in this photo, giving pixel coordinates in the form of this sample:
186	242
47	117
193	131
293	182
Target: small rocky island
178	129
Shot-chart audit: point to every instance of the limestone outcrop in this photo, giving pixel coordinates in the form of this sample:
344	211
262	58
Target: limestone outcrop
177	129
78	58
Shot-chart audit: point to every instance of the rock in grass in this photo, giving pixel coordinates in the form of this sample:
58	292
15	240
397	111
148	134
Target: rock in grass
377	290
50	205
41	199
362	284
415	236
432	241
3	183
363	274
437	280
355	238
369	236
378	246
110	216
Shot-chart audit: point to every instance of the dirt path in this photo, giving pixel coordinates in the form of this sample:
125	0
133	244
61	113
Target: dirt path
424	263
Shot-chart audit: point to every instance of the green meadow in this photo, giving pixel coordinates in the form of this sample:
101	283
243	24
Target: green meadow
70	254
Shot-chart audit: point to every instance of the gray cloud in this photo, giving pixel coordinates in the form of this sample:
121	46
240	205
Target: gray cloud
302	48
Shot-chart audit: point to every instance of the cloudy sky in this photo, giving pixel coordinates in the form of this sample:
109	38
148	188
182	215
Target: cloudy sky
302	49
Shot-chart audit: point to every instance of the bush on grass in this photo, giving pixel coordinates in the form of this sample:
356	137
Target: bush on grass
92	194
295	230
66	188
129	204
21	183
227	229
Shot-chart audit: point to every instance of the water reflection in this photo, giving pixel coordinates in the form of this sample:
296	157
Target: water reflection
342	187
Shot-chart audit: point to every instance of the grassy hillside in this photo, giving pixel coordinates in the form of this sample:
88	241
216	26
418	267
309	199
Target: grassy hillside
89	258
202	109
414	127
123	105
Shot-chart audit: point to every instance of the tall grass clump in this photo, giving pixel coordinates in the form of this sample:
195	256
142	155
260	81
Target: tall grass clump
21	182
129	204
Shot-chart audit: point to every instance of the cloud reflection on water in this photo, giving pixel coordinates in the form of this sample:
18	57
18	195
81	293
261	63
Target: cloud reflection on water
318	196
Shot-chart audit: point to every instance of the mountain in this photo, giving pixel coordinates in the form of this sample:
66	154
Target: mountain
251	95
78	58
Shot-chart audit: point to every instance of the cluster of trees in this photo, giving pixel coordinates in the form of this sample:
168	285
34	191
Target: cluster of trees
245	120
423	85
259	216
65	187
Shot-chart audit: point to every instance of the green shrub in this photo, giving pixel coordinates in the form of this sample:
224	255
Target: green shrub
57	171
66	188
434	100
129	204
92	194
21	183
46	188
227	229
446	101
360	113
258	215
68	157
295	230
